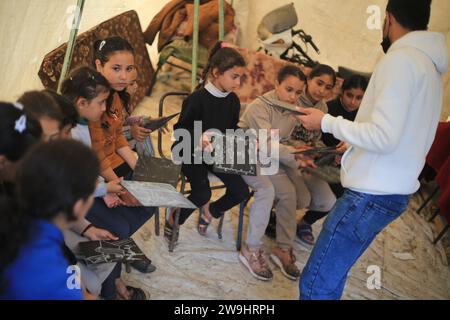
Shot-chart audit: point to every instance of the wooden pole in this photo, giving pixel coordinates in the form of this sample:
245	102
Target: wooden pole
71	43
221	20
195	46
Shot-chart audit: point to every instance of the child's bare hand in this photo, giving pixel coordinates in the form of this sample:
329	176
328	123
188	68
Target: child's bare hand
305	161
112	200
205	142
139	133
95	233
114	186
164	129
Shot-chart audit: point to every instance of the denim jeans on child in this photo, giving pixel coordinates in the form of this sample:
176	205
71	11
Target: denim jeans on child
348	231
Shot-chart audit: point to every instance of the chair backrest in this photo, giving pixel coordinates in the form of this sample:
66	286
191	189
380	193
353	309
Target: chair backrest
125	25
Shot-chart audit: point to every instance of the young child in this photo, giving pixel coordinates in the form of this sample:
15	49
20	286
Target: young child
68	112
261	116
88	90
114	59
217	107
17	134
54	184
137	136
313	192
347	104
41	106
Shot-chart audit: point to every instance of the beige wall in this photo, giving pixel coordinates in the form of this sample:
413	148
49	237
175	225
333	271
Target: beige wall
31	28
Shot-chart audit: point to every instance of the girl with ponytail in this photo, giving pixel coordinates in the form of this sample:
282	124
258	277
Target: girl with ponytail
216	106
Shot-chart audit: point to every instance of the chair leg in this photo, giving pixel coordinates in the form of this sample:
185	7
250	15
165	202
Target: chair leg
175	230
127	266
220	226
436	213
439	237
435	191
241	221
240	226
157	222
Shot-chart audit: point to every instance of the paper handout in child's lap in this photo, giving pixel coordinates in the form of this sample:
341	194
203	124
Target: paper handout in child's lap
281	105
236	154
324	150
160	170
151	194
106	251
157	123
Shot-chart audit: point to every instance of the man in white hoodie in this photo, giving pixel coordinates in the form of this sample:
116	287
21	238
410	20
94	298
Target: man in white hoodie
389	140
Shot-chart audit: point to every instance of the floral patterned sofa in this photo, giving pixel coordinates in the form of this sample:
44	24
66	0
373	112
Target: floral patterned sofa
126	25
261	73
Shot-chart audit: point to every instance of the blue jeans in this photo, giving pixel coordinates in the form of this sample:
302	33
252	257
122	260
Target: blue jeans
348	231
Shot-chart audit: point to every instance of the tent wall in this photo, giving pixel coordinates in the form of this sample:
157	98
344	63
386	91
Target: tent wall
32	28
340	30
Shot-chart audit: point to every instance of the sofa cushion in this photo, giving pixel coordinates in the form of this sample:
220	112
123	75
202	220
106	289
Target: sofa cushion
125	25
260	75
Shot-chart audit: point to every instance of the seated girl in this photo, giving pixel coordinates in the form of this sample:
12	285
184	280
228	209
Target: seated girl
88	91
114	60
345	106
216	106
55	185
313	192
277	186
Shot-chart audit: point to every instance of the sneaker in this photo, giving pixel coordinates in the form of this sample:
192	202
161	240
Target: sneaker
256	263
285	260
305	236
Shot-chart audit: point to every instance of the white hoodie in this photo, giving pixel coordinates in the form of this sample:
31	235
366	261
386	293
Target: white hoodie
397	120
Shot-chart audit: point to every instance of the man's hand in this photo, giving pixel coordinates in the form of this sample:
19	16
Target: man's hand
94	233
114	186
313	118
139	133
341	147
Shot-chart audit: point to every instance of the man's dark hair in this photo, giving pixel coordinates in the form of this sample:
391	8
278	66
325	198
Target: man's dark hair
411	14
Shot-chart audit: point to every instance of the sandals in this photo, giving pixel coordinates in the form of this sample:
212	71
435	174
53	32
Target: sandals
203	223
169	233
136	293
305	236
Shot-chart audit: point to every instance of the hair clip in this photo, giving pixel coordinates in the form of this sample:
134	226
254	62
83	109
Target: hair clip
102	44
21	124
18	105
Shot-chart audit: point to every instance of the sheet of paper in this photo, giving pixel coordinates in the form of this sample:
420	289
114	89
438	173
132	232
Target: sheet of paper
151	194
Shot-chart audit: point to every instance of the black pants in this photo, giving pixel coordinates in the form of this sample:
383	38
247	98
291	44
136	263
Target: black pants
121	222
312	216
197	175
